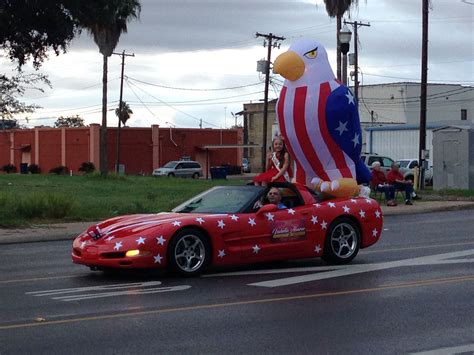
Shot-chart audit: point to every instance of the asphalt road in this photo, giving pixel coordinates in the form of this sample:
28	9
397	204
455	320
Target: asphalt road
411	292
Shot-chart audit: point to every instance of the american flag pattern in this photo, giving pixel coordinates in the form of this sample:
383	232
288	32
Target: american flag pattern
321	128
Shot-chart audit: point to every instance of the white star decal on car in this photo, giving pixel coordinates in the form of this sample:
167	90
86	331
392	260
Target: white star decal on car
200	220
324	225
118	245
353	200
83	244
252	222
157	258
291	211
256	249
317	248
221	224
317	205
176	223
110	238
346	209
377	214
140	240
362	214
160	240
314	219
375	232
234	217
368	200
332	204
270	216
221	253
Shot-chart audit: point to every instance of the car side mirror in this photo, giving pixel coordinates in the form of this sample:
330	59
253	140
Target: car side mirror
267	208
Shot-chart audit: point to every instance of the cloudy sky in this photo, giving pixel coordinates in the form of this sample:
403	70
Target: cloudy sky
196	59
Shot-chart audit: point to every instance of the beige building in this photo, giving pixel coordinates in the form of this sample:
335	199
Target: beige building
253	131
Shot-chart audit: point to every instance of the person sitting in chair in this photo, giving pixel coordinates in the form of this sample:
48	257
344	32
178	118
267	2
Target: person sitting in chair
395	178
379	183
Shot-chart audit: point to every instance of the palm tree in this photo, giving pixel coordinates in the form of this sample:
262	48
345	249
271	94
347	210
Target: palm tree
106	20
337	8
123	112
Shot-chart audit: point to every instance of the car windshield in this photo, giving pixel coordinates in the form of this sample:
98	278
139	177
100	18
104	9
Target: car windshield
171	164
403	163
221	199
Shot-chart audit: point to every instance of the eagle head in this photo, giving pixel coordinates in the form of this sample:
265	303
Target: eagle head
305	62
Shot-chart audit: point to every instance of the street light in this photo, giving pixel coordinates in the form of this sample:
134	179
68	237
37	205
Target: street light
345	38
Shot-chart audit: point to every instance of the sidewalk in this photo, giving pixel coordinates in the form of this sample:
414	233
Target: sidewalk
68	231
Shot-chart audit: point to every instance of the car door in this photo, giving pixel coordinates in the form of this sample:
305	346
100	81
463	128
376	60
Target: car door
275	233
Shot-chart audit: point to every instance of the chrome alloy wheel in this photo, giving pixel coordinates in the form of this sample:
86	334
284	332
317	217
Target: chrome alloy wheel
344	240
189	253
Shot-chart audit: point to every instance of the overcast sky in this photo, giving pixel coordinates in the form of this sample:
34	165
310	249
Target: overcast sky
187	49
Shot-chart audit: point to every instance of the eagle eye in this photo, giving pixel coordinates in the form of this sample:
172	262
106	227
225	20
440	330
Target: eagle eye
312	53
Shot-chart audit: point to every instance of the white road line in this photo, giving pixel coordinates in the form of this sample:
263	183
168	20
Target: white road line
437	259
463	349
85	293
122	293
93	288
279	271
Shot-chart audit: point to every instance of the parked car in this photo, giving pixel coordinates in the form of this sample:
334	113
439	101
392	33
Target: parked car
245	165
385	162
222	226
411	164
181	168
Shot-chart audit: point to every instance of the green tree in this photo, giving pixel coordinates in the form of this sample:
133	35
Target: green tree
11	88
337	8
31	28
69	121
125	113
106	20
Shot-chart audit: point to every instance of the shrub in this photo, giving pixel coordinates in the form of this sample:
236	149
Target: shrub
9	168
34	169
41	205
87	167
58	206
59	170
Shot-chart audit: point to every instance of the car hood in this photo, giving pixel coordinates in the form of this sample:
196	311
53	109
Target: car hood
133	224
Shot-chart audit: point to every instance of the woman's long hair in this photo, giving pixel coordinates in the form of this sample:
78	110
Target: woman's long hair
281	155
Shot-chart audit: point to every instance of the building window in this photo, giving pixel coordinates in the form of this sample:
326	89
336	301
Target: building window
463	114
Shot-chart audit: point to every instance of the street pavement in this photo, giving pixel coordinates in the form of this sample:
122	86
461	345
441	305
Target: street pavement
68	231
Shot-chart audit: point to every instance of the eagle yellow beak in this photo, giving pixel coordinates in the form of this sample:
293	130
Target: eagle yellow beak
289	65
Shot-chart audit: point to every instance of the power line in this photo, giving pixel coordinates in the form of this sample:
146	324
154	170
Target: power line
192	89
174	108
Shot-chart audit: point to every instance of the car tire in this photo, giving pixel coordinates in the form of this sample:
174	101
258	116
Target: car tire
189	252
170	175
196	176
342	241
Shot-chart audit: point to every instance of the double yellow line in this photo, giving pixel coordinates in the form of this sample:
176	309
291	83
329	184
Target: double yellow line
243	303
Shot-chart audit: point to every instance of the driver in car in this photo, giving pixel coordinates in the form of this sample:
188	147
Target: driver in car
273	196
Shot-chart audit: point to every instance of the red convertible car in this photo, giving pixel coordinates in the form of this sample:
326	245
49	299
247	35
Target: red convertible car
221	226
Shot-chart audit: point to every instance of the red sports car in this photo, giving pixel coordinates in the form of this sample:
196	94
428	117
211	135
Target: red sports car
222	226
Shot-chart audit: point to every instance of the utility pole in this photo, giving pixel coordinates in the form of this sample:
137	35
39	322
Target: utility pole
338	52
355	26
268	37
123	55
423	89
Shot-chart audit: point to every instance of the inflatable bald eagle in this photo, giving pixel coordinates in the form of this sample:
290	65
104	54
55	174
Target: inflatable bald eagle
319	120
